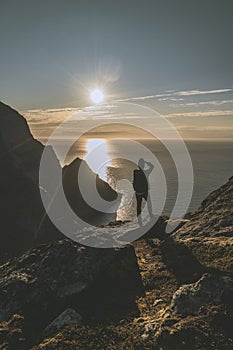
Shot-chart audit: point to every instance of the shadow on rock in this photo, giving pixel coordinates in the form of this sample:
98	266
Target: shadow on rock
156	228
180	261
100	284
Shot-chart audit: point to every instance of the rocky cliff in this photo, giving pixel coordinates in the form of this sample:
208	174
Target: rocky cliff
208	232
24	222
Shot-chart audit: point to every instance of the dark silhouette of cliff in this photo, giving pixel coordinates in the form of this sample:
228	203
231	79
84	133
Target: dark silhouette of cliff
24	222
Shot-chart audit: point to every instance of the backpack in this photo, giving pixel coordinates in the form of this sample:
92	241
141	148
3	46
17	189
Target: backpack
140	183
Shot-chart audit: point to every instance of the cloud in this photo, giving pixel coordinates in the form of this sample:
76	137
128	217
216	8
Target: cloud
217	128
150	97
202	92
202	103
43	122
171	95
170	99
137	98
195	92
202	114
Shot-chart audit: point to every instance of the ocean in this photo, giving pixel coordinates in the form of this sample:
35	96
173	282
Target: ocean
211	161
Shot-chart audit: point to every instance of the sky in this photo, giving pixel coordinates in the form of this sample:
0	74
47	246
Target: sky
173	56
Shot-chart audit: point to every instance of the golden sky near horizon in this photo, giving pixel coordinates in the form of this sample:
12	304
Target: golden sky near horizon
209	125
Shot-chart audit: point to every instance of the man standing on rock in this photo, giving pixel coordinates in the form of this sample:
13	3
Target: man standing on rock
141	187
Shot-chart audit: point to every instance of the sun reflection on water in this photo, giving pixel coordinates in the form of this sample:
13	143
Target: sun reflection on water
97	156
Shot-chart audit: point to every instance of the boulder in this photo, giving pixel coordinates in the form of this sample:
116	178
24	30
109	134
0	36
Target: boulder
46	280
67	317
209	289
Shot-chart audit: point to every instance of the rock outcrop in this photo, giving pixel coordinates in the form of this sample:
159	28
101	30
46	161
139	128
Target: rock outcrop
24	222
46	280
18	144
208	232
74	195
189	298
214	217
66	318
20	203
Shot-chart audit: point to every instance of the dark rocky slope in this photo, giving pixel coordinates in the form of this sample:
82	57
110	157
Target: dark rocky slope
45	280
213	218
20	204
185	301
209	231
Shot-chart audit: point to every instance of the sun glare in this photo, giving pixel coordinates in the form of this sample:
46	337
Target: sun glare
97	96
97	156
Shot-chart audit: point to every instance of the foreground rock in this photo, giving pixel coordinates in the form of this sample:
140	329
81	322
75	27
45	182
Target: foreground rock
12	334
189	298
45	281
212	329
208	232
214	217
68	317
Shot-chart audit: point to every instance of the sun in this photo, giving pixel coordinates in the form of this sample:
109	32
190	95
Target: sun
97	96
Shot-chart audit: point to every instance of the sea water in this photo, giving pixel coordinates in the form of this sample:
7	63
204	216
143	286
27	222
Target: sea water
211	160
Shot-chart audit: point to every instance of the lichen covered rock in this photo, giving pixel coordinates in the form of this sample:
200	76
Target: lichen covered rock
189	298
